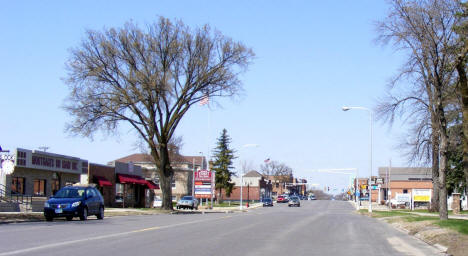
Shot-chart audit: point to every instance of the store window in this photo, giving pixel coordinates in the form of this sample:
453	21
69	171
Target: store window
17	185
119	189
405	191
173	183
39	187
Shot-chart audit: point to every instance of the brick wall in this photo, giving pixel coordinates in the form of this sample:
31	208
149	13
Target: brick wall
253	193
107	172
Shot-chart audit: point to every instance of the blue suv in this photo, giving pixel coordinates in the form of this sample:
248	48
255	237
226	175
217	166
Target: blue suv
75	201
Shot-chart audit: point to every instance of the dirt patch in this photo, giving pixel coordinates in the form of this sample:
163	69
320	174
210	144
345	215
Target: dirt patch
431	233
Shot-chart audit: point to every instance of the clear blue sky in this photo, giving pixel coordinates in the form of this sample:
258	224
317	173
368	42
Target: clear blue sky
312	58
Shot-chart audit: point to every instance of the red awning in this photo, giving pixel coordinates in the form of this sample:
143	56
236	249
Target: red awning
127	178
103	181
151	185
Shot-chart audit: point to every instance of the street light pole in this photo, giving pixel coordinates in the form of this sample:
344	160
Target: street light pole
370	153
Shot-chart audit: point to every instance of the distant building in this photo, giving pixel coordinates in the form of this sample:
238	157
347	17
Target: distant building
280	184
254	187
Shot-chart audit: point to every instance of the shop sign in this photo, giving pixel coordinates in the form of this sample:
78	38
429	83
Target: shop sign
421	195
406	198
203	183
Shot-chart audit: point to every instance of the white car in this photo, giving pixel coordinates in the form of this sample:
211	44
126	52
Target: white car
187	202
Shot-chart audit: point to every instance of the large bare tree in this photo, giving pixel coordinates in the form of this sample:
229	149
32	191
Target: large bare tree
423	29
149	78
279	171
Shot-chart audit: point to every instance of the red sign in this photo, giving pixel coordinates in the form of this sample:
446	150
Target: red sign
202	175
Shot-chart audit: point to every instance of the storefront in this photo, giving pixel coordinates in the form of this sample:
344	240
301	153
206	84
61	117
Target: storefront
40	174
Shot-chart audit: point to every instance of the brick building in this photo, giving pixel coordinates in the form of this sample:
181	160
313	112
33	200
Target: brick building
403	180
255	187
183	168
279	184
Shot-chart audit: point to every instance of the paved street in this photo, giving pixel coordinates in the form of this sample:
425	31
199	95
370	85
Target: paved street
316	228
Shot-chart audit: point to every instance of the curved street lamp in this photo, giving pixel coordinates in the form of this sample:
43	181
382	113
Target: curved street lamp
346	108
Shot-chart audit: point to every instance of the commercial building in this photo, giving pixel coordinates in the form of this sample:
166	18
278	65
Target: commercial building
401	183
183	168
280	184
121	184
38	174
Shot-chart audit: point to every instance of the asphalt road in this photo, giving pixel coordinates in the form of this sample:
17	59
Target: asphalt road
315	228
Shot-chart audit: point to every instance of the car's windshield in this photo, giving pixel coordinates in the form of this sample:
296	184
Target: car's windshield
70	193
187	198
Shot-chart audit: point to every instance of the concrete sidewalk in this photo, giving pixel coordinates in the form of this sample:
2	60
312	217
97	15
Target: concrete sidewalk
377	207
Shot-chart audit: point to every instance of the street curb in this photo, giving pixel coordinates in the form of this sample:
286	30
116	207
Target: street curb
439	247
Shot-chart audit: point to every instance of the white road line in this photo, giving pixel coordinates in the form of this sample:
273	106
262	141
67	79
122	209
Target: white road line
55	245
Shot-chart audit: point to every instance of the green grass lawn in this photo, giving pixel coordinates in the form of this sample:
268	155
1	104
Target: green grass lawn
460	226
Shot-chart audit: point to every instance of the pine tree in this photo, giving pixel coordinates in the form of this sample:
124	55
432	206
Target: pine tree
222	164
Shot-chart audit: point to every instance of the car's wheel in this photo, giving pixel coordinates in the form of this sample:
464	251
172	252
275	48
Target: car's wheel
84	215
49	218
69	218
100	215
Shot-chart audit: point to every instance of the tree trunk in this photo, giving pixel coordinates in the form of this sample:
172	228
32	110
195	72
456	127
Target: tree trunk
442	127
435	170
165	173
463	85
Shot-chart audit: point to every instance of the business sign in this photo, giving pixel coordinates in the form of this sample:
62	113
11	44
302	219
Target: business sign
406	198
422	195
203	181
34	159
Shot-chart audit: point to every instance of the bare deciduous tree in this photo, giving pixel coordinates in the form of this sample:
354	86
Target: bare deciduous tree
423	29
149	78
279	171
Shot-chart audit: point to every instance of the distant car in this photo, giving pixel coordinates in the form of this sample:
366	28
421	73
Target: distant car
294	201
187	202
282	199
75	201
267	202
312	197
157	202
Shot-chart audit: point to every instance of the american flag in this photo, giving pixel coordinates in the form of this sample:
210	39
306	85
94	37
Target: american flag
267	160
205	100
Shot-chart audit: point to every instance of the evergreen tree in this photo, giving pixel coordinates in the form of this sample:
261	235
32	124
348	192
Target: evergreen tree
222	164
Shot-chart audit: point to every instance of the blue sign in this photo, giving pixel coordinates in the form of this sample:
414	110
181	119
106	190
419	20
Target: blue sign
357	193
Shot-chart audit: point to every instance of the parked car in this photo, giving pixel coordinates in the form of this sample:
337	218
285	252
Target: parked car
294	201
311	197
187	202
75	201
282	199
157	202
267	202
